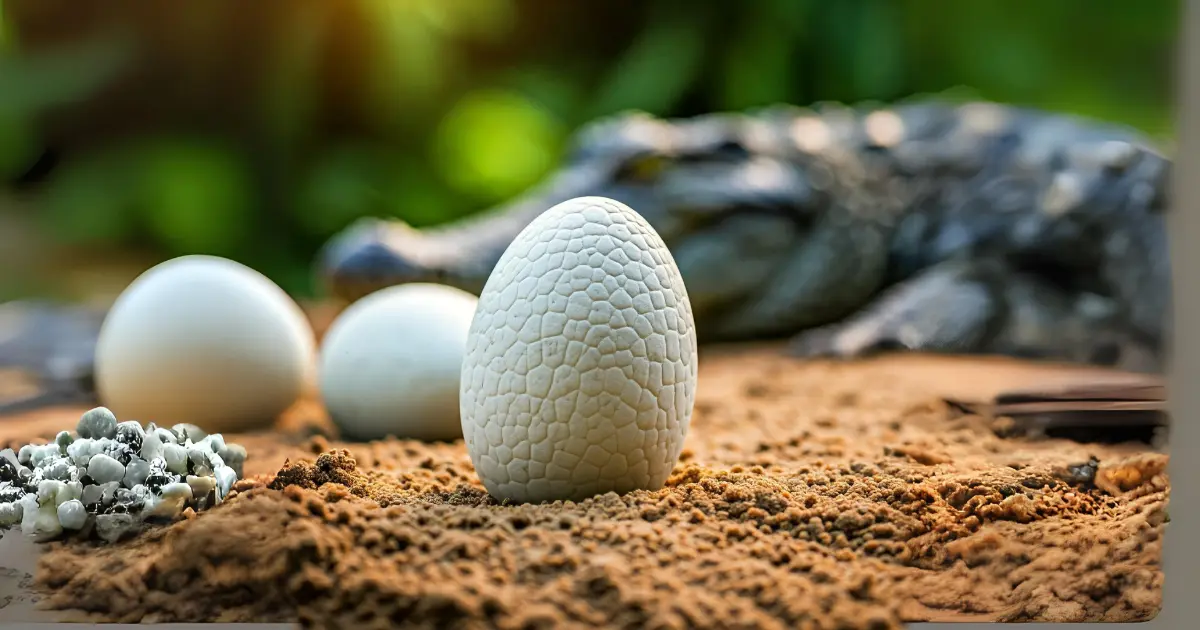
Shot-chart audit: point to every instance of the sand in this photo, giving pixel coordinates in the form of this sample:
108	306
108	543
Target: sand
810	495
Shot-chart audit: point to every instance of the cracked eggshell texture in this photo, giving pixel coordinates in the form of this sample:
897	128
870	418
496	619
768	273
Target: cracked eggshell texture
207	341
580	371
390	363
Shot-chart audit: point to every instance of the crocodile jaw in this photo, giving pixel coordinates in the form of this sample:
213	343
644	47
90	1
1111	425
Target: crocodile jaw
375	253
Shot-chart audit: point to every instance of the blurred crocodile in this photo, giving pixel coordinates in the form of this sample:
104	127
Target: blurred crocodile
967	228
970	228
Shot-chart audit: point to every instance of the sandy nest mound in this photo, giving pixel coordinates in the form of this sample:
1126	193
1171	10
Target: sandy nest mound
810	495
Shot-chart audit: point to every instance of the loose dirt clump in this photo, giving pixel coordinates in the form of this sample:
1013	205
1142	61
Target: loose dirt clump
810	496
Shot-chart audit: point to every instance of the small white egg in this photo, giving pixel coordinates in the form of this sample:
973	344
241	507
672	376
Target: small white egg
206	341
580	372
390	363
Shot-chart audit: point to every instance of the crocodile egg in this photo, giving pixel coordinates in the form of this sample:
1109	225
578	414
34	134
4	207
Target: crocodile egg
207	341
390	363
580	371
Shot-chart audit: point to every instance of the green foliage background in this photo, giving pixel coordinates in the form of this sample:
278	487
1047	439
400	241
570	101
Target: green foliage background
255	130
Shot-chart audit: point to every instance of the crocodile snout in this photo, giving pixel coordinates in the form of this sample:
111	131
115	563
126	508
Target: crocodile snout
369	256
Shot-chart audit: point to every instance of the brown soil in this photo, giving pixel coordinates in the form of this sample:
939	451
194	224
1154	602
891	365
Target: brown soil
811	495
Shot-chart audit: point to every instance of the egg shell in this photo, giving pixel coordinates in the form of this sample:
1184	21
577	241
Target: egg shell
204	340
390	363
580	371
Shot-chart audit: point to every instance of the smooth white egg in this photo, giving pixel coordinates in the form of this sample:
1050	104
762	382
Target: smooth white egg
580	371
204	340
390	363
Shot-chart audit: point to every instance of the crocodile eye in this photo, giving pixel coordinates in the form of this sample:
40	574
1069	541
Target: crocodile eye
643	168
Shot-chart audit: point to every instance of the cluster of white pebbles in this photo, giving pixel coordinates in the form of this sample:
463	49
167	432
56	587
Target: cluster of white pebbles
112	477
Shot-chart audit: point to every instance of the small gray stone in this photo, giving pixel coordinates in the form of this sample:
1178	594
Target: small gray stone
189	432
104	469
11	456
200	461
111	527
29	505
81	450
175	497
25	455
129	495
11	513
166	435
97	423
136	472
108	492
60	469
115	449
176	458
40	521
213	442
225	477
43	453
72	515
202	487
178	490
234	455
63	440
91	495
152	446
48	490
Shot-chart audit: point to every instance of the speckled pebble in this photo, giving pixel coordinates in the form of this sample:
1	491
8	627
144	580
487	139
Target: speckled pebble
111	527
97	423
61	469
130	432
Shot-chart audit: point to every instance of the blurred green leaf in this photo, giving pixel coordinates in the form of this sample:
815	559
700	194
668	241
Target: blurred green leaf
551	89
18	143
760	63
91	199
7	36
289	96
411	63
413	193
195	196
494	144
65	75
878	60
341	187
481	19
657	69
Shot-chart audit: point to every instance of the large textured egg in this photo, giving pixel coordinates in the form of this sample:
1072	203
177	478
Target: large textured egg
390	363
207	341
580	371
